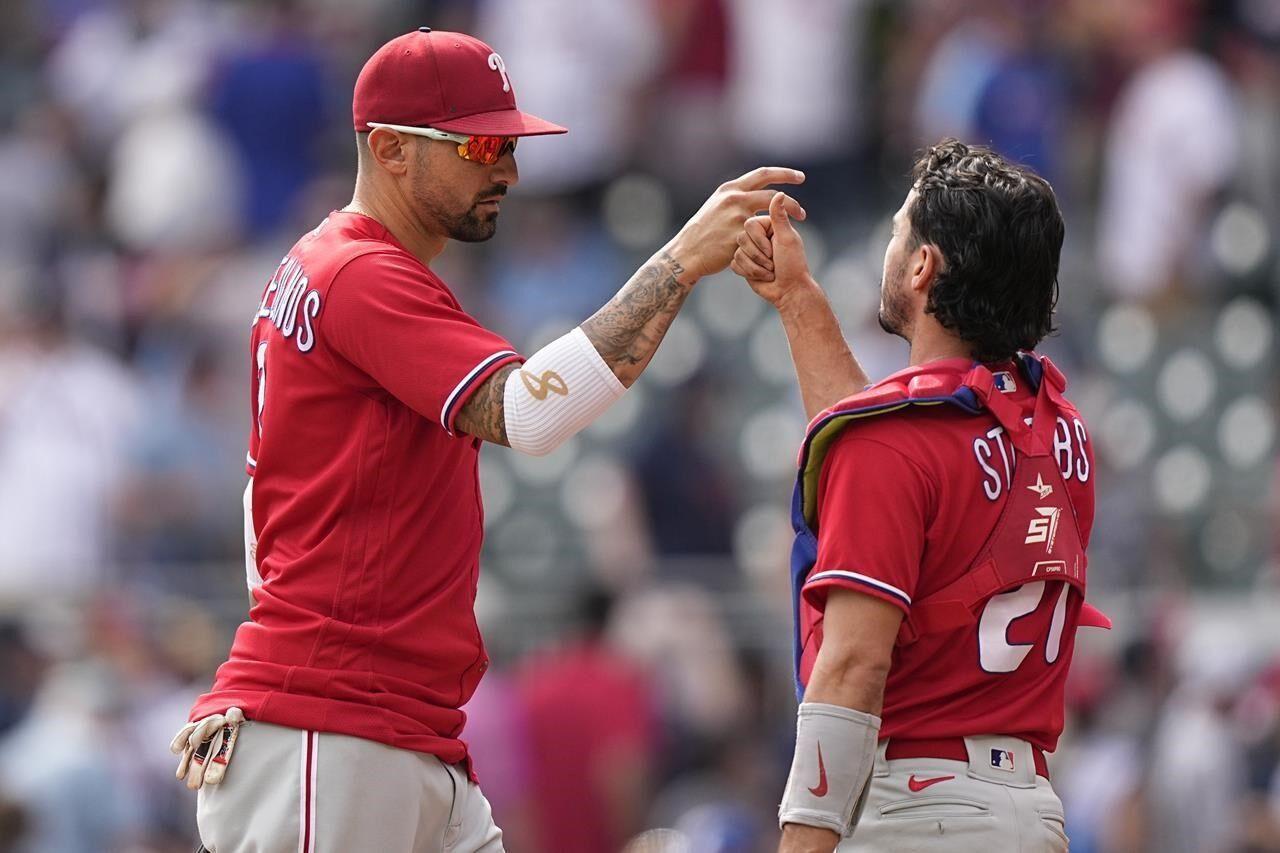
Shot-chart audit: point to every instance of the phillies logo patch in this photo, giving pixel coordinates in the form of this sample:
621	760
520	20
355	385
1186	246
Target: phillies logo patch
549	382
496	64
1002	759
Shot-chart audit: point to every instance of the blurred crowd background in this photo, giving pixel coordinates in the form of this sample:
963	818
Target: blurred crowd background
158	158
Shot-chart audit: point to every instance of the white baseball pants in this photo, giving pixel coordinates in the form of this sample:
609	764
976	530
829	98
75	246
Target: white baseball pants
293	791
923	805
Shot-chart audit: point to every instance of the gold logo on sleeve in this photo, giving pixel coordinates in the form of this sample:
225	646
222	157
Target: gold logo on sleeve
549	382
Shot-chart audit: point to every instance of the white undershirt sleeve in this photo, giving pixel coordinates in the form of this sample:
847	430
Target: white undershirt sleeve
251	576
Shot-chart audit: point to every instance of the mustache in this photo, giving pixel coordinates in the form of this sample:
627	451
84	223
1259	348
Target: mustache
494	193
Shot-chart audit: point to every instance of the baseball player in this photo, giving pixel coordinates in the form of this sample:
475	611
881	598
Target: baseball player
942	517
371	391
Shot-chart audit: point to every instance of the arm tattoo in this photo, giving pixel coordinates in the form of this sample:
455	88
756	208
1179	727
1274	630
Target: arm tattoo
627	330
483	415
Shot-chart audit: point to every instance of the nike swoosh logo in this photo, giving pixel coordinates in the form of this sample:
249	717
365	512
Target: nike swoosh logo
820	790
918	785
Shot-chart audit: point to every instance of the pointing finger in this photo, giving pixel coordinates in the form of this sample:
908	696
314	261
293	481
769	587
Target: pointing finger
759	200
790	205
766	175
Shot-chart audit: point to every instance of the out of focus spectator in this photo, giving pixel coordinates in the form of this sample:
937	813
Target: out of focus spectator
59	765
1171	147
593	732
688	493
183	469
960	69
1198	768
270	93
66	411
497	731
795	90
688	108
173	184
119	62
587	75
1022	109
680	633
551	266
38	193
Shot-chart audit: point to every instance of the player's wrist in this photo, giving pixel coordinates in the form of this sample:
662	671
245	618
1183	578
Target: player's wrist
802	838
681	258
797	297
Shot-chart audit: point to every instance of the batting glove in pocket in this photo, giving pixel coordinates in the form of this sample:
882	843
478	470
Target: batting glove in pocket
205	747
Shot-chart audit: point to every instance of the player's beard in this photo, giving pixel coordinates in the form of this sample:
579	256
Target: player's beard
894	315
469	226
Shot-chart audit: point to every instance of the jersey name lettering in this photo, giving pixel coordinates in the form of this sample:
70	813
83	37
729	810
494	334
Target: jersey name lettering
294	307
996	456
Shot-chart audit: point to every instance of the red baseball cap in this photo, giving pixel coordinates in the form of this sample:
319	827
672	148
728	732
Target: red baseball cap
449	81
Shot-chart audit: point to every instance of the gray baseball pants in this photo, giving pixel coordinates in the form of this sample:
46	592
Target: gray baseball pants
293	791
932	805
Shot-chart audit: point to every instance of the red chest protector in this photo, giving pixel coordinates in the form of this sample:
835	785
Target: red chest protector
1036	537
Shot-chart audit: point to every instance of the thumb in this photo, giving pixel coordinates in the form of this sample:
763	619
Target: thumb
780	218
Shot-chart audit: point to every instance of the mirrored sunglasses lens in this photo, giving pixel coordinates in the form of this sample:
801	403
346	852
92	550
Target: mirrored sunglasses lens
489	149
483	149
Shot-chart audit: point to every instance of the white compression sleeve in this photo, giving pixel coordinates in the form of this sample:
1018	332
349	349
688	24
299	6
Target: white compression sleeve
563	387
826	788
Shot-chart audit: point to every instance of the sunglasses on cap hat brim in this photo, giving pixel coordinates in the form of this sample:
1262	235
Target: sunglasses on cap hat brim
485	150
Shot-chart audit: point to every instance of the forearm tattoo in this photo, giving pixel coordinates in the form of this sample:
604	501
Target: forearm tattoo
628	329
626	332
483	415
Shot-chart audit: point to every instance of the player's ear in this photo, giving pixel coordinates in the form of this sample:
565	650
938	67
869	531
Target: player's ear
389	150
923	268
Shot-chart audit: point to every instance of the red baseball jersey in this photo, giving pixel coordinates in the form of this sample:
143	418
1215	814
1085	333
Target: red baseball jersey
366	502
905	504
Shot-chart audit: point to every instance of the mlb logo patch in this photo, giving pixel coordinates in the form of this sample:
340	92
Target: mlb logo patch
1004	382
1002	759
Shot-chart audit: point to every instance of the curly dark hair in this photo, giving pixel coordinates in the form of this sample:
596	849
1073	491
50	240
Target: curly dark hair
1000	232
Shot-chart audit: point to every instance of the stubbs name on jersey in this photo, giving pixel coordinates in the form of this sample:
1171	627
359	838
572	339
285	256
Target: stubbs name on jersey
294	306
996	456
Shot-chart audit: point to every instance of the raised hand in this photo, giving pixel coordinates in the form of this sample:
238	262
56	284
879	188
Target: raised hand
706	244
770	255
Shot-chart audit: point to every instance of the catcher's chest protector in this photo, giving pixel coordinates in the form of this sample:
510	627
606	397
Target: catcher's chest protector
1036	538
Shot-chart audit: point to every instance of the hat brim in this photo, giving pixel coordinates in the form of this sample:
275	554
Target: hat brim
500	123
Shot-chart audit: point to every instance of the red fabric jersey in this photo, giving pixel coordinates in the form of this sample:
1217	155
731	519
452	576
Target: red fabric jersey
905	503
365	503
